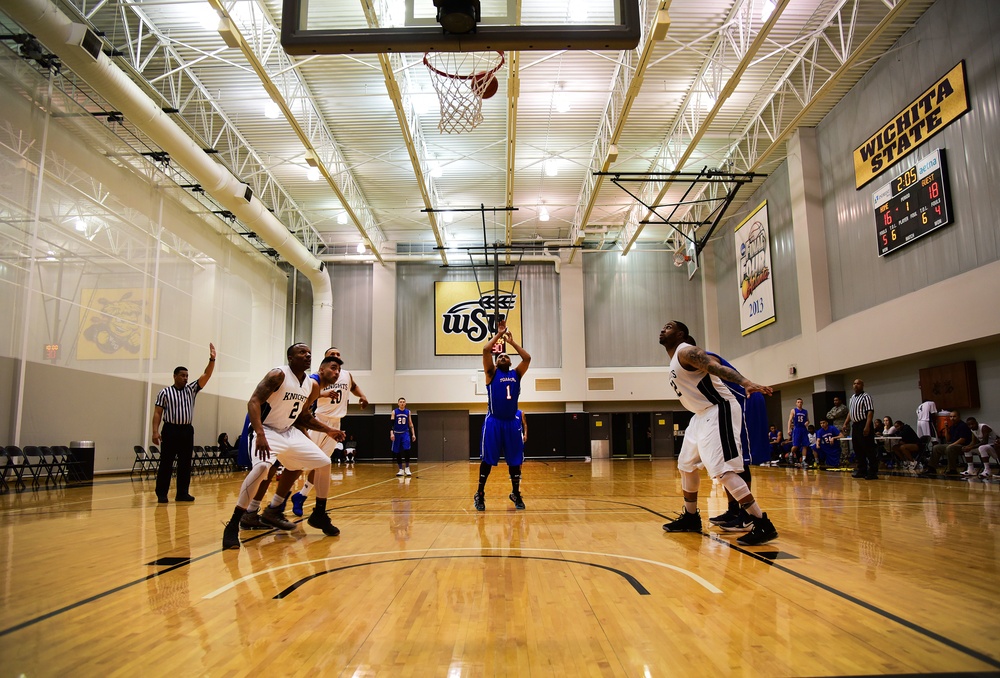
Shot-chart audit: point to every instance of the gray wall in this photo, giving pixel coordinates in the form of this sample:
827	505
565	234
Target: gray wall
951	30
628	300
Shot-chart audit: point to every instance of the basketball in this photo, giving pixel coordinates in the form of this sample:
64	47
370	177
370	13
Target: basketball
491	86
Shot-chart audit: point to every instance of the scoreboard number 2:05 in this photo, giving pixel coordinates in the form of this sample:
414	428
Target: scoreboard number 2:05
913	204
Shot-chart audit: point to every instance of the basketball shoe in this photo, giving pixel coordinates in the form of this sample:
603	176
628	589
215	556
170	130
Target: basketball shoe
686	522
763	531
479	501
231	535
743	522
407	471
730	514
321	521
518	502
298	500
251	521
275	518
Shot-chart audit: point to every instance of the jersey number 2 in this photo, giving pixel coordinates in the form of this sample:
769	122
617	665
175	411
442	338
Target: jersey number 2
295	410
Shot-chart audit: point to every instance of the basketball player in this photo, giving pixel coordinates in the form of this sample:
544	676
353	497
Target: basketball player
279	405
711	439
501	431
798	431
331	406
401	435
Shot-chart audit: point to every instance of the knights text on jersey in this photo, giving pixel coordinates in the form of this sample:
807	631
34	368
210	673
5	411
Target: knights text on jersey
697	390
332	401
284	405
502	393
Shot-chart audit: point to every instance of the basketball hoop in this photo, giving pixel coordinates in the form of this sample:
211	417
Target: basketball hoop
462	80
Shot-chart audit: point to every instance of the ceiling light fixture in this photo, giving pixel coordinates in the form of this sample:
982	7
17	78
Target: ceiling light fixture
458	16
562	104
80	225
208	18
766	8
342	218
543	214
361	248
448	217
312	174
551	167
578	12
272	110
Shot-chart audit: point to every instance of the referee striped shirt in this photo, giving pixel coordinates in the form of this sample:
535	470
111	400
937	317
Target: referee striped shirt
178	403
861	404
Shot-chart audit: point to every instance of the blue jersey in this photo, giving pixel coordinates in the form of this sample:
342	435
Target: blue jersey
502	394
825	438
754	432
800	418
400	421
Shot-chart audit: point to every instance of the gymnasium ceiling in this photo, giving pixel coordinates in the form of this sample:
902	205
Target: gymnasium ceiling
721	84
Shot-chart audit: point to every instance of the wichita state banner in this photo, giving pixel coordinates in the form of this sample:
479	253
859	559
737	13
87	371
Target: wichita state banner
753	258
464	315
943	102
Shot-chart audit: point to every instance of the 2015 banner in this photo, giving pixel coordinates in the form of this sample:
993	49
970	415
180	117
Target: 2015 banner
465	311
753	260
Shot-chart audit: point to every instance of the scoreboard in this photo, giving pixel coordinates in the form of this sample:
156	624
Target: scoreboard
913	204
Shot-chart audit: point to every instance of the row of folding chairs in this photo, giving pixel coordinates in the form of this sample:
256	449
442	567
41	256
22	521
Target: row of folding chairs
205	459
33	464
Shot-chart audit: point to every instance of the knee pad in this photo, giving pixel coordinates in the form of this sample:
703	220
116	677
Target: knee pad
736	485
690	481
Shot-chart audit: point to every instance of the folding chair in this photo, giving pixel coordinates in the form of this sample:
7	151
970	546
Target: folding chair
140	463
60	454
28	462
55	463
153	465
5	465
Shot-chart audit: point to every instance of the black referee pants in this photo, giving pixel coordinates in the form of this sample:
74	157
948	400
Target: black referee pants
177	441
865	450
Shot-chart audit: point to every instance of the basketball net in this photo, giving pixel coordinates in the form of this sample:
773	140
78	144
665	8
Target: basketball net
462	80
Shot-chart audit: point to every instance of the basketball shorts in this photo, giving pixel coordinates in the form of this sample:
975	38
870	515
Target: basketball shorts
800	437
325	442
292	448
400	441
924	428
502	437
712	441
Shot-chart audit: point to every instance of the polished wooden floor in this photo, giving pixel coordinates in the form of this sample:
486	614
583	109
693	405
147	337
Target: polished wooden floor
894	576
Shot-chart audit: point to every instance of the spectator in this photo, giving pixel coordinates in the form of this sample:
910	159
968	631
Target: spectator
908	446
837	414
775	438
888	429
226	449
982	436
957	436
827	445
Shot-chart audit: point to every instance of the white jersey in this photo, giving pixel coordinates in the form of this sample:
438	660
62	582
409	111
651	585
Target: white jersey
698	390
989	439
332	401
284	405
925	410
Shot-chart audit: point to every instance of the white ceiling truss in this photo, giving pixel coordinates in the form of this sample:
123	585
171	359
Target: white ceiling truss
712	83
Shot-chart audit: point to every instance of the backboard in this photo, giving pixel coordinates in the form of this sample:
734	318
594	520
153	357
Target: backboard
341	27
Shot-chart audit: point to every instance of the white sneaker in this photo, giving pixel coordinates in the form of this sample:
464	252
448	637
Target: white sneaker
968	473
399	473
985	475
408	471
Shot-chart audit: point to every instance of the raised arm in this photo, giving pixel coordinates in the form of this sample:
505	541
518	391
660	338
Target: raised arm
695	358
522	366
488	365
209	368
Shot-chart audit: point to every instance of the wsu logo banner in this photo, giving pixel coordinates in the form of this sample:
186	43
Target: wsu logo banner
753	257
464	316
111	324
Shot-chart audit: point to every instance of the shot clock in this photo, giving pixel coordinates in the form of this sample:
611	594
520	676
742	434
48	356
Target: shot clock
913	204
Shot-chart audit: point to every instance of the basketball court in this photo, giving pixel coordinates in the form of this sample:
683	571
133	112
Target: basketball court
865	578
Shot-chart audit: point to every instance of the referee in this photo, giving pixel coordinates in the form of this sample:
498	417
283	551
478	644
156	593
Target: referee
859	417
175	405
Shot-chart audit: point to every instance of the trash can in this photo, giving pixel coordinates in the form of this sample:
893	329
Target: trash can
600	449
81	460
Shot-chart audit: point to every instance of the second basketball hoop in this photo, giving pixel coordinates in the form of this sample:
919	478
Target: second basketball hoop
462	80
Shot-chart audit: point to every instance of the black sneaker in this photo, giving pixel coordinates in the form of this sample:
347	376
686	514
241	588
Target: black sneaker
763	531
321	521
251	521
730	514
480	501
275	518
231	535
743	522
686	522
518	502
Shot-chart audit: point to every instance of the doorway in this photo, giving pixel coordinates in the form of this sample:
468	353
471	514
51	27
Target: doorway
444	435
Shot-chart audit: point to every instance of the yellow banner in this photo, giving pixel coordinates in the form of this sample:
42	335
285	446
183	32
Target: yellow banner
942	103
115	324
464	315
